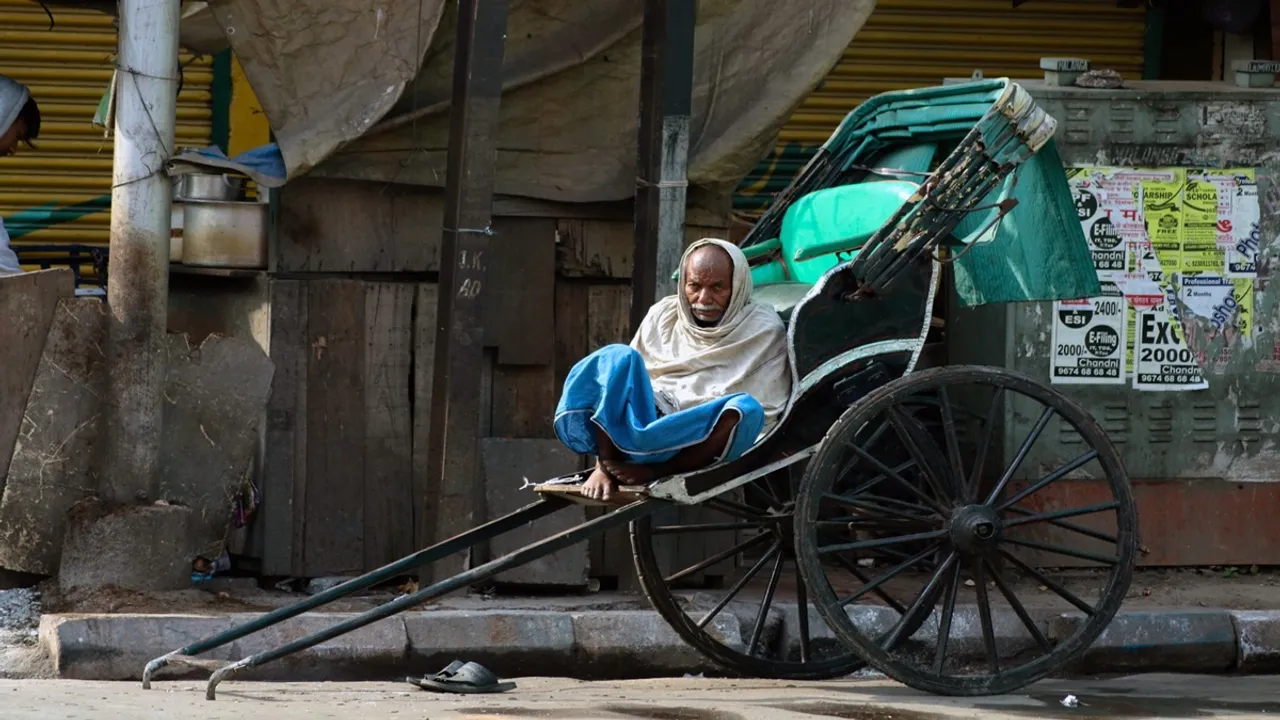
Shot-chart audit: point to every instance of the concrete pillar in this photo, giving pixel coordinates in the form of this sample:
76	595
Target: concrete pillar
138	282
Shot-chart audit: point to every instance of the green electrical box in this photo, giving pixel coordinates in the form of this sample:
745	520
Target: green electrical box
1179	360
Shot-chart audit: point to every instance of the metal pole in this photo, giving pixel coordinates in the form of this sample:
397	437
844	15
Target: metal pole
666	101
453	445
138	279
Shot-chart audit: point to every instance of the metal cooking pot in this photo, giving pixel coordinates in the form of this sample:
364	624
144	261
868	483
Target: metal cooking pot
224	234
208	186
175	232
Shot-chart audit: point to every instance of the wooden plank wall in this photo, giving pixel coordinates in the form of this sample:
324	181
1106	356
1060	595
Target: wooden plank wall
353	303
339	461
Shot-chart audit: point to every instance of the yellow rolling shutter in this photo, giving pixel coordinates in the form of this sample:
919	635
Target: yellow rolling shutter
59	193
917	43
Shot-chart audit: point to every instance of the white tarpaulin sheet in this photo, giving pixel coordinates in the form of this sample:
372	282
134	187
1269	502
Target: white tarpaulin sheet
360	90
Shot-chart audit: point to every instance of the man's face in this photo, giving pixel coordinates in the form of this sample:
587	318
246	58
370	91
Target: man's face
708	283
9	141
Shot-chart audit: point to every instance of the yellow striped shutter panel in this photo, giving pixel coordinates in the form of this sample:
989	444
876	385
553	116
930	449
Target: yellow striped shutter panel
59	194
917	43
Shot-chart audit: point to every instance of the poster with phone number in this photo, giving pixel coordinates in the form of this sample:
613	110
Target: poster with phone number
1161	358
1088	339
1189	241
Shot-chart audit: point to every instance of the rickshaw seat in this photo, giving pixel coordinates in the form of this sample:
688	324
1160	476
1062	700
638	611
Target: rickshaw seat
841	218
781	267
783	296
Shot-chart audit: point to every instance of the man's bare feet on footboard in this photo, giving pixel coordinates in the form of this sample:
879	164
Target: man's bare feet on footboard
631	473
599	486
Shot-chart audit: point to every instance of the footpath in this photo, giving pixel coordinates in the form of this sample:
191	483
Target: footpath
604	637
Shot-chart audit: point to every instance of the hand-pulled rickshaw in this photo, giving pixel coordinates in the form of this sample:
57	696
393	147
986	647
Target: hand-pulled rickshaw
891	501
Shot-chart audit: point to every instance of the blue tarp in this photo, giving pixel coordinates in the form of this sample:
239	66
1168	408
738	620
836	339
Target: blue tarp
263	164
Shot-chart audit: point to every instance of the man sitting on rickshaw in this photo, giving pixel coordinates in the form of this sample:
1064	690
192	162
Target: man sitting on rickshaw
705	377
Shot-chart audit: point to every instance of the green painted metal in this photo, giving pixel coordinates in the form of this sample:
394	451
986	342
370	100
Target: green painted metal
916	43
836	220
772	272
1036	252
822	227
760	250
30	220
221	92
910	161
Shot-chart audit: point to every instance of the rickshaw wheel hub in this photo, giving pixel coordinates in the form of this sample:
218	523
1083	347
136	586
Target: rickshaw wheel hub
975	529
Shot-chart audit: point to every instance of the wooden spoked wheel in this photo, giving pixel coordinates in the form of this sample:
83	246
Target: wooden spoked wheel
966	531
728	584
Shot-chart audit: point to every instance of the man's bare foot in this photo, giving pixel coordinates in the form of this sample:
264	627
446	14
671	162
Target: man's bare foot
599	486
631	473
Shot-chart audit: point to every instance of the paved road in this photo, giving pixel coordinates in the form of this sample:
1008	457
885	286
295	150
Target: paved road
1155	696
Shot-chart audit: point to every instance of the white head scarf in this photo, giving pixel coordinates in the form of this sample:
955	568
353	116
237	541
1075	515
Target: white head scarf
745	352
13	96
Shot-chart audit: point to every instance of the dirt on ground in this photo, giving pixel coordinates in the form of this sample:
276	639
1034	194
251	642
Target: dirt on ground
219	599
1144	696
1233	588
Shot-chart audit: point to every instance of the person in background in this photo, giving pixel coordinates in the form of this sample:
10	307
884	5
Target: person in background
19	124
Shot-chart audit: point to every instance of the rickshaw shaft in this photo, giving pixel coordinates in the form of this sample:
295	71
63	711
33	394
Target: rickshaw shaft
526	554
455	544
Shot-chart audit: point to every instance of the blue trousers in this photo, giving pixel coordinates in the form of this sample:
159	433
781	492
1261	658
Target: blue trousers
610	390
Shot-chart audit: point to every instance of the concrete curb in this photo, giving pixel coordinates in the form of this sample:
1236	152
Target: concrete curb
1202	642
611	644
1258	640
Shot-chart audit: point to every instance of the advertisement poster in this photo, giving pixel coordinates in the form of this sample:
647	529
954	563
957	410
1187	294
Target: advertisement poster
1200	250
1243	300
1088	339
1168	242
1162	210
1105	243
1161	358
1242	254
1131	322
1236	224
1210	296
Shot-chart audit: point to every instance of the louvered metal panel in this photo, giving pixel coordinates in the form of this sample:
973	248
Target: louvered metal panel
917	43
60	192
